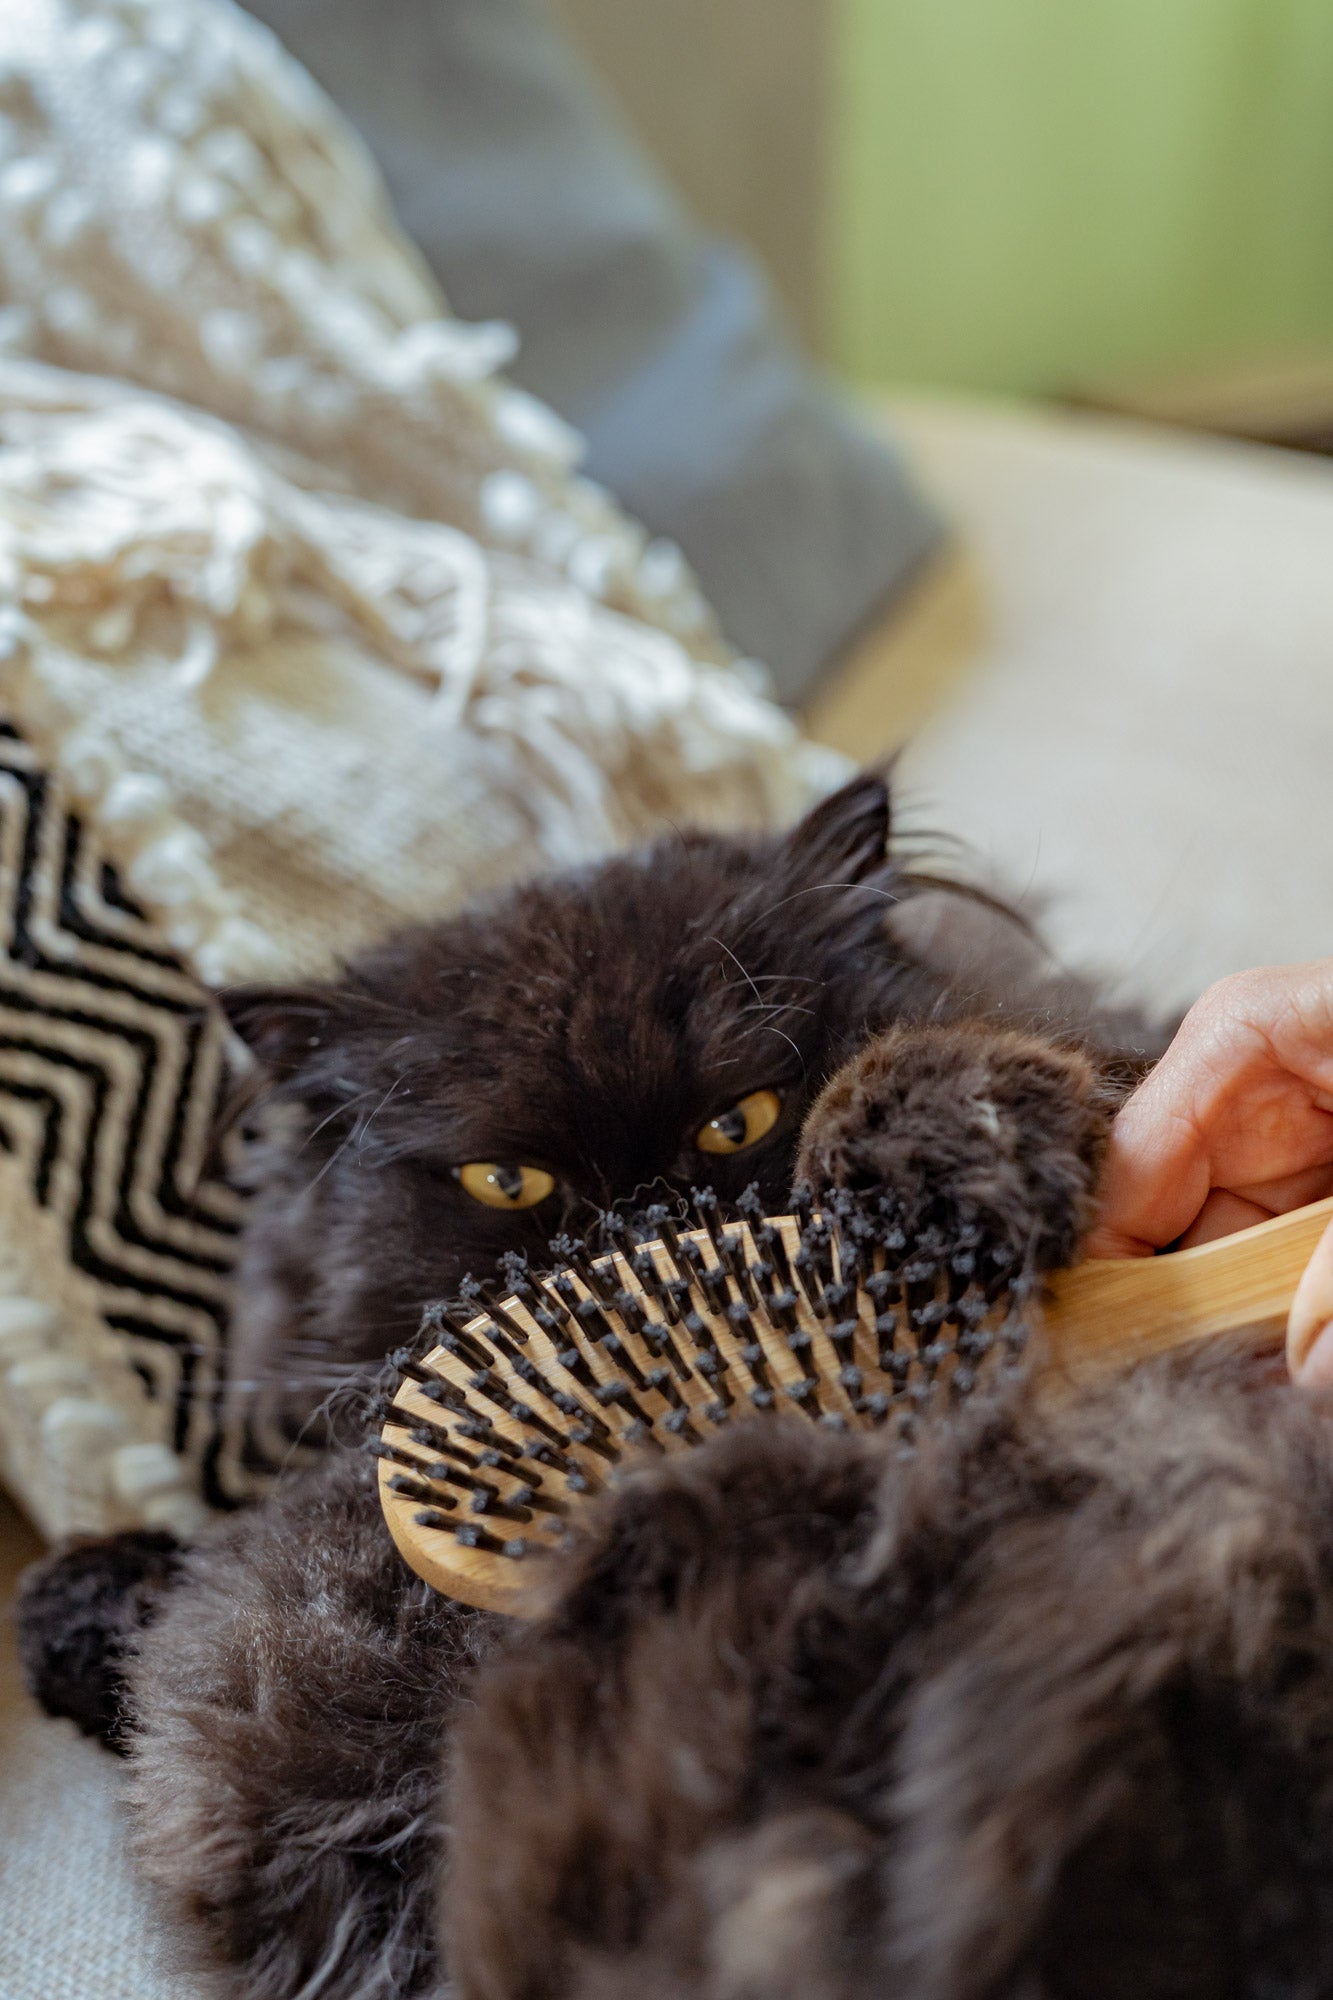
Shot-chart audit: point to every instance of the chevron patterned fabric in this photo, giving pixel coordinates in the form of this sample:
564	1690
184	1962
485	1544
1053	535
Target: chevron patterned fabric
112	1059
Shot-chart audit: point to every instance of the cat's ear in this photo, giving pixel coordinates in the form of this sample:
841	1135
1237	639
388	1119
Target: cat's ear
846	836
282	1026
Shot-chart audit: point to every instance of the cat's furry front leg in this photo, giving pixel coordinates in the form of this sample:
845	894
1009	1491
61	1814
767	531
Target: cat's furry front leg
967	1126
292	1704
78	1613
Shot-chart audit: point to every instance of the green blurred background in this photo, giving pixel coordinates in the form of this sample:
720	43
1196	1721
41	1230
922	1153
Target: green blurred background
1004	194
1028	193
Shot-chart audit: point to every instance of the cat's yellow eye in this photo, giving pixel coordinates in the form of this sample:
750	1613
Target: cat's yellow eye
498	1186
744	1125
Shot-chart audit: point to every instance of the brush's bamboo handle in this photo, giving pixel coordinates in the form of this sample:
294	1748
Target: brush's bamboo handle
1111	1311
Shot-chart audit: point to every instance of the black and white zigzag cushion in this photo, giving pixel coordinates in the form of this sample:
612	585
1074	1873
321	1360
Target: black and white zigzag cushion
118	1226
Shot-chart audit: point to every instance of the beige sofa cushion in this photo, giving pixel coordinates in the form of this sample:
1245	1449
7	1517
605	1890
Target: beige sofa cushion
73	1921
1121	695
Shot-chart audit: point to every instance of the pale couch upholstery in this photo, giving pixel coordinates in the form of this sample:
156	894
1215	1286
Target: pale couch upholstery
1122	692
73	1925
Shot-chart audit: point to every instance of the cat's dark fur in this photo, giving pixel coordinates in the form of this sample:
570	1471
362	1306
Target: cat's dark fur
1042	1713
288	1703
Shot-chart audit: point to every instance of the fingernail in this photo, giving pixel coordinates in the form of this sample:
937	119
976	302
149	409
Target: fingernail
1315	1369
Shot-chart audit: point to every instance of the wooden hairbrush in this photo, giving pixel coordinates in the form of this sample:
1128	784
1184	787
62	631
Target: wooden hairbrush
528	1402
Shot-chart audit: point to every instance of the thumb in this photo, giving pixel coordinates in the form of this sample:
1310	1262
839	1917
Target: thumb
1310	1322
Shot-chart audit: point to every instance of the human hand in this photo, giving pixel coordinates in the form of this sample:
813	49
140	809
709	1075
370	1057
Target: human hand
1233	1126
1310	1324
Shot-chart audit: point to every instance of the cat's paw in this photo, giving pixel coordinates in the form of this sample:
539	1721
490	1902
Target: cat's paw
969	1129
77	1611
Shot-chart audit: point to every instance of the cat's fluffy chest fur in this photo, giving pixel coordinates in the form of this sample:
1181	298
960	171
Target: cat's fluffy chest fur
289	1705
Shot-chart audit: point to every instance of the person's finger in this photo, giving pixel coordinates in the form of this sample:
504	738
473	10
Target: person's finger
1156	1177
1310	1322
1223	1214
1239	1102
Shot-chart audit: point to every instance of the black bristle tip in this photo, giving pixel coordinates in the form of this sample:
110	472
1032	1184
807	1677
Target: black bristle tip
514	1265
781	1310
770	1241
418	1489
575	1363
734	1251
403	1362
708	1212
661	1380
802	1346
843	1337
817	1240
501	1314
463	1348
676	1299
591	1318
614	1228
807	1275
659	1226
615	1349
699	1331
628	1307
738	1317
757	1362
470	1535
596	1440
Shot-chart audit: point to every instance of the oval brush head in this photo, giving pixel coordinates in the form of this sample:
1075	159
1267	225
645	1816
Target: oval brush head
528	1403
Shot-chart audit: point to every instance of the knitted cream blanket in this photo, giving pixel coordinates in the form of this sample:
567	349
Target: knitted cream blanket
307	627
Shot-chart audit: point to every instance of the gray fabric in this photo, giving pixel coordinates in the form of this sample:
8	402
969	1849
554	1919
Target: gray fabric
533	204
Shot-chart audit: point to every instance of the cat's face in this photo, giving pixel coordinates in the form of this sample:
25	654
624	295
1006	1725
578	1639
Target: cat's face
659	1022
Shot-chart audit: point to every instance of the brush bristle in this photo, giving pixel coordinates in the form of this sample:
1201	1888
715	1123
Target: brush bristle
530	1400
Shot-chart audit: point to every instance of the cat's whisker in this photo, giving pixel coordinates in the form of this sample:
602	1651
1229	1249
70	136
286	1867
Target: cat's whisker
355	1136
765	1028
776	1007
820	889
331	1162
364	1127
337	1112
739	967
784	979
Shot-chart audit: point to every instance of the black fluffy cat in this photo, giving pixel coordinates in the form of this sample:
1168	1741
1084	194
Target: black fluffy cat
589	1035
713	1010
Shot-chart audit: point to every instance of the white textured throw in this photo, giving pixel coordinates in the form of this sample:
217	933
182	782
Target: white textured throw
309	628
